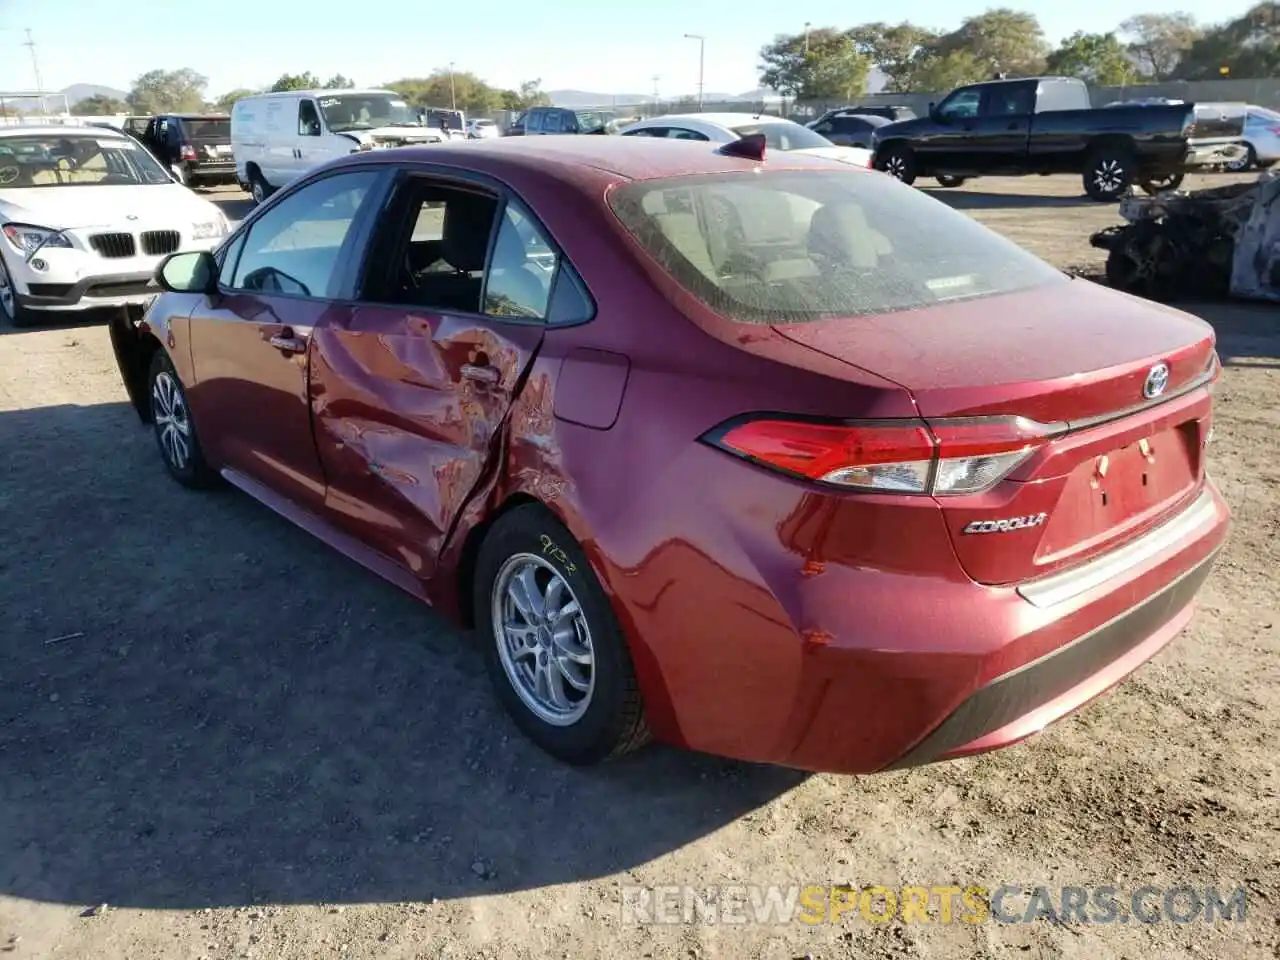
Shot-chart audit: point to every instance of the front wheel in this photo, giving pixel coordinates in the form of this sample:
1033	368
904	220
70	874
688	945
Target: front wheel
899	163
258	187
11	311
1108	174
174	429
1246	162
553	648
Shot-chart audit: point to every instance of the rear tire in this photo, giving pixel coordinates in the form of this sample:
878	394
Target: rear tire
259	189
1108	174
1153	185
175	430
179	174
946	181
899	162
561	668
1247	162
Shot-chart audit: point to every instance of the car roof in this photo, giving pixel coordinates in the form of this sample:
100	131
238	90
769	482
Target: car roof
62	130
630	158
318	93
718	119
194	116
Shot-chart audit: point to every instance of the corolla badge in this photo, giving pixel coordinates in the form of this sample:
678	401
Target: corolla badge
1157	380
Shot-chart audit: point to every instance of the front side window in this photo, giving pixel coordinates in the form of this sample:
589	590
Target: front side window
294	248
961	104
308	119
72	160
792	246
344	112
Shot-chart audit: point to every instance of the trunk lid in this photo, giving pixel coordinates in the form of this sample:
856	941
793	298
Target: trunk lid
1218	121
1074	355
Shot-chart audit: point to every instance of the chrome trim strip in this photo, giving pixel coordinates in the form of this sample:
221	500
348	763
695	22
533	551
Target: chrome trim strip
1098	420
1059	587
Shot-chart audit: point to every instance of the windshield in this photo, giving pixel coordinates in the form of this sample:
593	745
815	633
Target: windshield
76	160
365	111
208	128
784	135
791	246
589	120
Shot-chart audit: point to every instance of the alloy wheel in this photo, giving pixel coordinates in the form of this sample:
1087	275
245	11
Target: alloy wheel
543	639
257	190
895	166
172	423
1109	175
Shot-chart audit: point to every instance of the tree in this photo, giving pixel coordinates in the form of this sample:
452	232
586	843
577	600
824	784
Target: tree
822	64
896	50
1160	40
1002	40
339	82
296	81
228	100
529	94
167	91
939	73
443	89
1248	47
1097	58
99	105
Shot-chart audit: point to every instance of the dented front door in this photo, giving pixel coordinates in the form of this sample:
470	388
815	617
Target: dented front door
408	405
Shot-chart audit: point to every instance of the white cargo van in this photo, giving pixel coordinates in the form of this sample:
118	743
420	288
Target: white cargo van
276	137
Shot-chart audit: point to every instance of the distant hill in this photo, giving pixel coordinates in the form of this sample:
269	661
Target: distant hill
83	91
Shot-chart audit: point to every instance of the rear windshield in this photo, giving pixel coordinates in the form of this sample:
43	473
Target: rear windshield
783	135
216	128
794	246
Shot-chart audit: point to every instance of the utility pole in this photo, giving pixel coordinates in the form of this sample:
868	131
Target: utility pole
806	38
453	90
702	62
35	65
656	78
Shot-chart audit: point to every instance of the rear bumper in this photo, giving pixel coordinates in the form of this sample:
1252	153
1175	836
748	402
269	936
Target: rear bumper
1212	154
1070	638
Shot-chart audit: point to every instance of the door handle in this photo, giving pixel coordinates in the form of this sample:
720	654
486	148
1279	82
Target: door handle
483	374
288	343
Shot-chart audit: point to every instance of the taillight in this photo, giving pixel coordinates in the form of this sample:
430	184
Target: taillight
187	152
938	457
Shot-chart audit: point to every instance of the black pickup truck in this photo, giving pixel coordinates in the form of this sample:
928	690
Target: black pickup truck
1044	125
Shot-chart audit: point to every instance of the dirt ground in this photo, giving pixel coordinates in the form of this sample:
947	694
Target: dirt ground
245	746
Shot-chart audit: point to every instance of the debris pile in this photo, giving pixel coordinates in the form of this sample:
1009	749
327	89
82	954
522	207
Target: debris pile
1224	241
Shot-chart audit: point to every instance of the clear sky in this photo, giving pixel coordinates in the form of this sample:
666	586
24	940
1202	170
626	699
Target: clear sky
604	47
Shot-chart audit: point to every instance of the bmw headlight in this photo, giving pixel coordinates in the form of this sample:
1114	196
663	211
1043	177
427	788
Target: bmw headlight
29	239
209	229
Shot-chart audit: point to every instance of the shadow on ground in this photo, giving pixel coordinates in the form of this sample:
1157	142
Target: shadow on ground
977	200
1248	333
204	706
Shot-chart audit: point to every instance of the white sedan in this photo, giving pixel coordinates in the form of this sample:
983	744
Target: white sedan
87	214
779	134
482	129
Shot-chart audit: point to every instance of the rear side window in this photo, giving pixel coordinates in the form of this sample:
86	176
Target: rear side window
795	246
207	128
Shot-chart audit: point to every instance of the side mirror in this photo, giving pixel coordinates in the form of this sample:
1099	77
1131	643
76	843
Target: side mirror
933	112
193	272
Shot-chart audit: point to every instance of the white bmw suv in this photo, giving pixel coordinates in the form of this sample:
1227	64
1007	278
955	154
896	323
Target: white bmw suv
87	214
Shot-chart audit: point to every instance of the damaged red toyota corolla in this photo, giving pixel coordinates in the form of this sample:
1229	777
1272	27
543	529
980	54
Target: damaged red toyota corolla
772	457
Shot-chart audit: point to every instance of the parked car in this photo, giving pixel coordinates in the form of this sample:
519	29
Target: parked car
87	215
453	123
1261	140
195	147
891	112
1046	125
482	128
277	137
548	121
763	455
779	134
849	129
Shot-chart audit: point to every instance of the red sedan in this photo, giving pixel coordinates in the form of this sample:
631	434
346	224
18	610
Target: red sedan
765	456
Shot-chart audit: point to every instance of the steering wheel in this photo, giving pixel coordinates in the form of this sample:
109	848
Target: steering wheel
9	175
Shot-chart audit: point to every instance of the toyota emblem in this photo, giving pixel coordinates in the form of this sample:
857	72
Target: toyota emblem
1157	380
